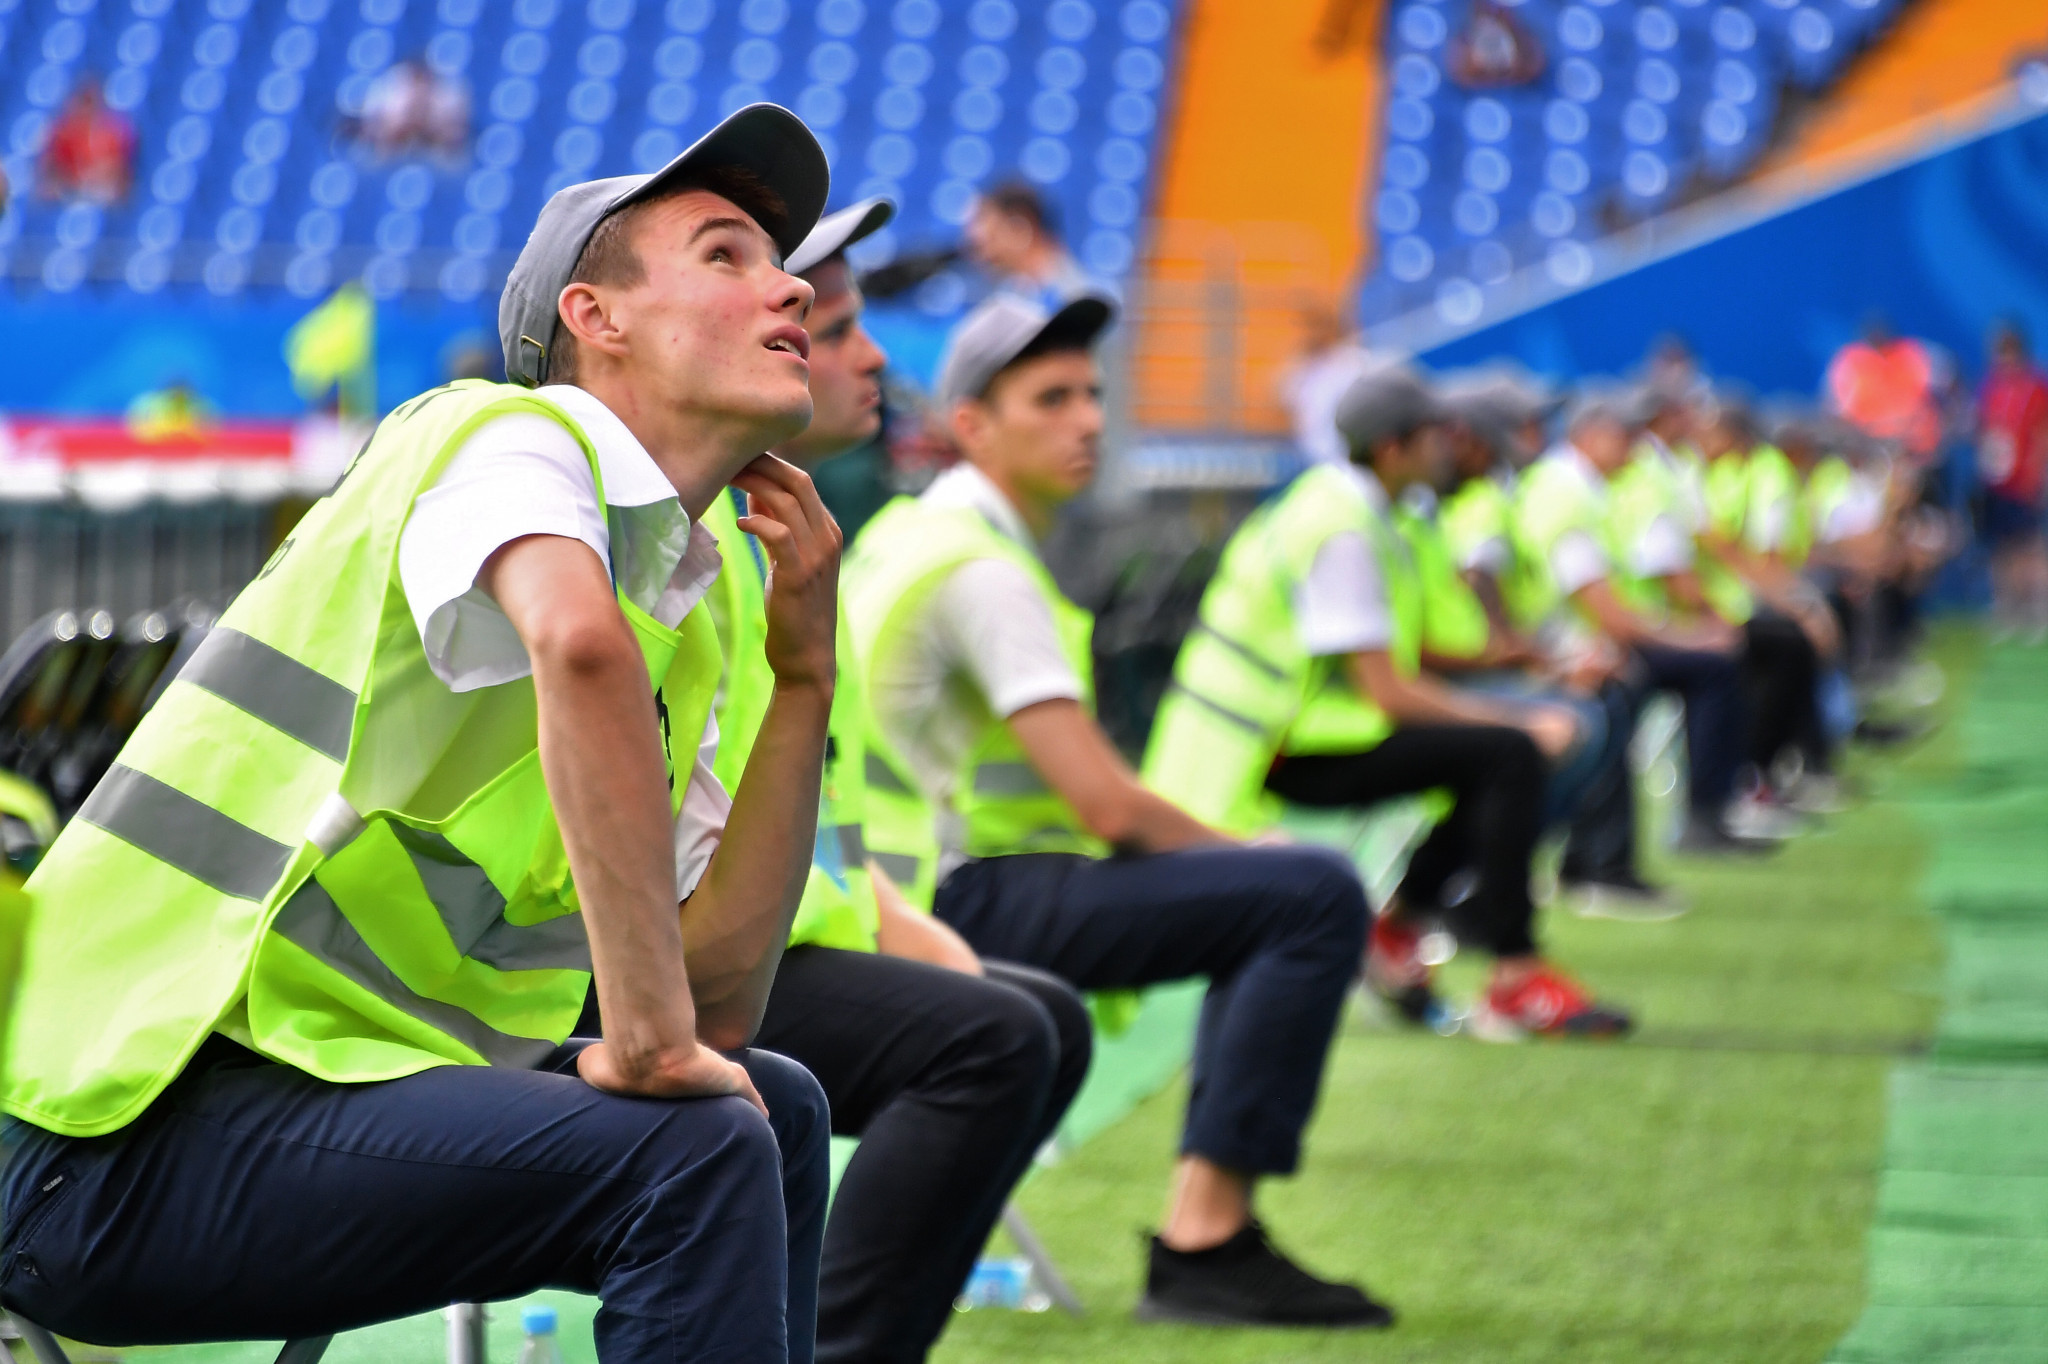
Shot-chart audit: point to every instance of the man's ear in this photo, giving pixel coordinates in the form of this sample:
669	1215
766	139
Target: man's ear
588	317
968	424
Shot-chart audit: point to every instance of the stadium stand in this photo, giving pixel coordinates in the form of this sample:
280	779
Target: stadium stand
1638	104
246	181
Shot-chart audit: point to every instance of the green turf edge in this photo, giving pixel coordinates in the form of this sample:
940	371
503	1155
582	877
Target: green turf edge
1959	1247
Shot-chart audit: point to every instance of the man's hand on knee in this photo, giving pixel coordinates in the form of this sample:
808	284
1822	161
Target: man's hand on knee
699	1073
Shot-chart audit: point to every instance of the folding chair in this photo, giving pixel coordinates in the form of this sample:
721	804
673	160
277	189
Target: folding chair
45	1349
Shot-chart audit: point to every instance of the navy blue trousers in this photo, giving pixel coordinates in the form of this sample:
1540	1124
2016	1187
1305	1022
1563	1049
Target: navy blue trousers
1716	719
1278	932
253	1201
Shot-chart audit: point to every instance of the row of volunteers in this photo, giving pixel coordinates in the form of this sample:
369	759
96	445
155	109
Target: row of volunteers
553	848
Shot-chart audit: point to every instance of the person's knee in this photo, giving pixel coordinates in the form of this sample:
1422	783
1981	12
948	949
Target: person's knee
1325	884
1518	761
798	1110
1011	1044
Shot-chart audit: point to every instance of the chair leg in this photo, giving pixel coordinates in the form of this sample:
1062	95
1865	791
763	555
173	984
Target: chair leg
305	1351
466	1339
1042	1267
45	1346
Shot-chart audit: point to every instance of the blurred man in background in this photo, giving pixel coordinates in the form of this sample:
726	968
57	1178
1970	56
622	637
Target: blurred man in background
1011	234
91	151
2012	453
1887	384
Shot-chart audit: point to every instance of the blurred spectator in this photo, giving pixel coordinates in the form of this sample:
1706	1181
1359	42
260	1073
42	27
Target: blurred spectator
91	150
1332	359
411	108
1885	384
1494	50
1671	367
1011	235
169	412
2012	448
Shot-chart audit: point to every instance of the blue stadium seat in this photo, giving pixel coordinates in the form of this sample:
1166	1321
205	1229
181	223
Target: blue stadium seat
245	179
1640	101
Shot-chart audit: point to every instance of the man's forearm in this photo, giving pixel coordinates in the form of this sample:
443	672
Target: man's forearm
736	923
599	751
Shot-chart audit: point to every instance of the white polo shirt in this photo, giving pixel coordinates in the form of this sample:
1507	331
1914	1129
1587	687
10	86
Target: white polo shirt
983	643
1340	605
524	474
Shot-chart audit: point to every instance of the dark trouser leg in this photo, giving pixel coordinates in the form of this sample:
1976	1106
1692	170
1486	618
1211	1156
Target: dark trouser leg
1710	685
1496	776
1277	931
801	1119
254	1201
1782	672
1602	844
952	1082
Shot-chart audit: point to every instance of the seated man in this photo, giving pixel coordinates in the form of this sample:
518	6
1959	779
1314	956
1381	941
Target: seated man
952	1071
436	771
1749	543
1464	558
1302	679
993	797
1565	527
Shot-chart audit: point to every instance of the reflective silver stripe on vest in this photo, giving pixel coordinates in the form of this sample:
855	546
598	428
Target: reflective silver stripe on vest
883	776
188	834
275	688
853	849
1008	779
314	922
1244	651
898	867
1238	718
473	912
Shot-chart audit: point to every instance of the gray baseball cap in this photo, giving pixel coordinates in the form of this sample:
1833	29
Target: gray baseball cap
764	139
837	231
1628	404
990	338
1385	402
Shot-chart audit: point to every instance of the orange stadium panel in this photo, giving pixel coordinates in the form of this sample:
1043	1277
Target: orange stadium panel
1940	53
1270	148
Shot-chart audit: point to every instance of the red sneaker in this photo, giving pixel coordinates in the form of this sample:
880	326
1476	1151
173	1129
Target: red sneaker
1549	1003
1396	972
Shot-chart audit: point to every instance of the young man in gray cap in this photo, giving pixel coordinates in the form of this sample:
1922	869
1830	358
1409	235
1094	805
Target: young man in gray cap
952	1071
436	770
993	798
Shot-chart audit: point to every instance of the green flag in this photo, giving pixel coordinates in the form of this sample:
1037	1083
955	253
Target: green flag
336	344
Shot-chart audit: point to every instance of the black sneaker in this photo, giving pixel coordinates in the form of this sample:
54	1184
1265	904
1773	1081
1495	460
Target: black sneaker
1246	1281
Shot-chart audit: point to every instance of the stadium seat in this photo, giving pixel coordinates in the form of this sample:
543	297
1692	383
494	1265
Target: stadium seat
245	180
1639	102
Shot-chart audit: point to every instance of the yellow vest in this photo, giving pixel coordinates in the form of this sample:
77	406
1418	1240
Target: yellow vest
312	844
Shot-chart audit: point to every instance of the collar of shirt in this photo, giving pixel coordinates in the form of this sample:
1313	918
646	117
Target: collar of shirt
662	561
964	486
1574	459
1367	483
1420	501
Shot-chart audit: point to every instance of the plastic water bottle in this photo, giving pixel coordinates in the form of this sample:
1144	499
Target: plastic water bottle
1002	1283
541	1347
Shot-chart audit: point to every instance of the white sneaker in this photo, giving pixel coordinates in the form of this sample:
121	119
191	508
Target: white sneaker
1640	903
1818	793
1750	817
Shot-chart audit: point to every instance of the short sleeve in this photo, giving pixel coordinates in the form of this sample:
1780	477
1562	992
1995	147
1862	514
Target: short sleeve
1340	605
1577	561
517	475
990	621
1662	549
